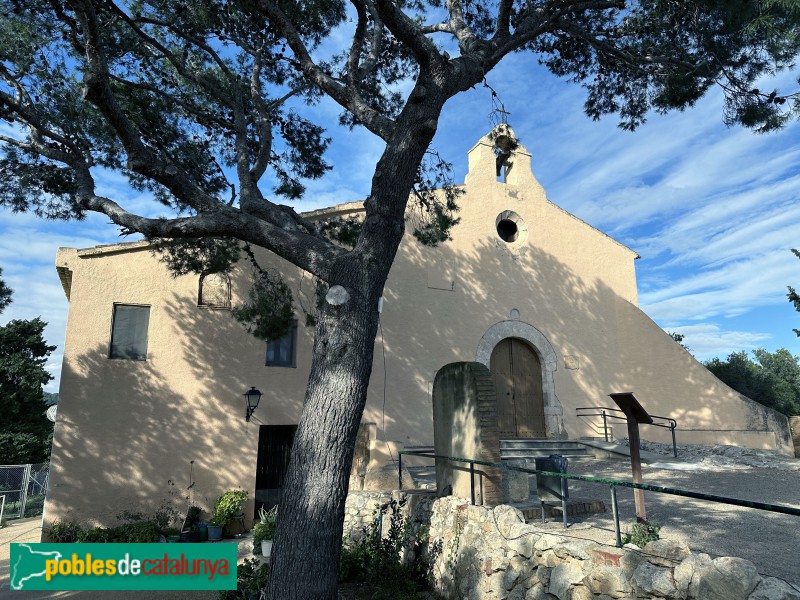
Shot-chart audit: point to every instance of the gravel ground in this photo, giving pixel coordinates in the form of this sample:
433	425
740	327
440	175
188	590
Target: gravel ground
769	540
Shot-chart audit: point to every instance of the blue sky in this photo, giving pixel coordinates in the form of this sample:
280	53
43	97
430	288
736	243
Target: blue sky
713	211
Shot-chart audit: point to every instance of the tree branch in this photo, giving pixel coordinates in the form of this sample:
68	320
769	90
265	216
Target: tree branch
22	104
409	32
465	36
603	47
202	116
435	28
262	124
504	18
358	44
373	59
46	151
346	96
311	253
140	158
211	87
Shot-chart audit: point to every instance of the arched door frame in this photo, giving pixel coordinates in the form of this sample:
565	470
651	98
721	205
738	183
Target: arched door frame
553	412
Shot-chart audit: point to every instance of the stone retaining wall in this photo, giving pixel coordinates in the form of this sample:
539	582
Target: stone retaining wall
360	510
491	554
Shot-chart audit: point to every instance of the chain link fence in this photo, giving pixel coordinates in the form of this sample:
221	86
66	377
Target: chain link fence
22	490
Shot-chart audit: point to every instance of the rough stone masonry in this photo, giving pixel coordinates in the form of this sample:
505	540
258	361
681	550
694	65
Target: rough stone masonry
492	554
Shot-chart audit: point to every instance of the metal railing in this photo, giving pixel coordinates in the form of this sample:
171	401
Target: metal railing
616	414
612	483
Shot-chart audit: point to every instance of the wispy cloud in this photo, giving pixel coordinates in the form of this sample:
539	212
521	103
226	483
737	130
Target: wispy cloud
729	290
707	340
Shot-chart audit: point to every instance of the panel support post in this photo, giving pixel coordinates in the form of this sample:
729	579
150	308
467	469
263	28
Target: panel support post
634	414
636	469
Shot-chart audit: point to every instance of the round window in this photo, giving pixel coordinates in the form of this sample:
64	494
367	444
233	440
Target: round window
508	230
511	228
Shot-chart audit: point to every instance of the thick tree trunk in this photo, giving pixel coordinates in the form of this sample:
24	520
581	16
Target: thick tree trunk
311	514
306	555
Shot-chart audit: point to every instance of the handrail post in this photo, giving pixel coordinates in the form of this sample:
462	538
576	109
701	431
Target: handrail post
605	426
674	445
615	511
564	501
472	482
400	470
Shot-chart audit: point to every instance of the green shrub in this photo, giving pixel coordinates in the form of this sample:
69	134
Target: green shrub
96	535
135	533
34	506
265	528
63	532
193	515
398	564
228	506
128	533
642	533
251	577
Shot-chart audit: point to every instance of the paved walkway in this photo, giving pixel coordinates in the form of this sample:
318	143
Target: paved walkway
768	540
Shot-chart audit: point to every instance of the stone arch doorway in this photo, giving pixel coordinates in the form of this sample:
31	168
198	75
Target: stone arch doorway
515	328
517	374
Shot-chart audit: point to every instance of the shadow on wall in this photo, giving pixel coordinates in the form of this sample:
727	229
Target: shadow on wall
128	431
603	342
577	317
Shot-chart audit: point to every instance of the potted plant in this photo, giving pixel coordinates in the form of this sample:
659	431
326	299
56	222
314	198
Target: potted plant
202	526
264	531
193	515
171	534
227	507
191	529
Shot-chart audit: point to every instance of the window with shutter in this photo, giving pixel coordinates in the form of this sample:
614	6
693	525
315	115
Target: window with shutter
282	352
129	332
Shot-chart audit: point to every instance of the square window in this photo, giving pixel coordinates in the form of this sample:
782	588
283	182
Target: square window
282	352
129	332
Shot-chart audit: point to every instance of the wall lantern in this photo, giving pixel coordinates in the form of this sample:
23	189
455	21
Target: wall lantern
252	396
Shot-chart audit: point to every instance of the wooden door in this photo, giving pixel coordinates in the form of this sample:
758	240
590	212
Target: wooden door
517	373
274	447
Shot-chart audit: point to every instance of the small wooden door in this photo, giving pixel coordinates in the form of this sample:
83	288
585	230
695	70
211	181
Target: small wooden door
274	447
517	374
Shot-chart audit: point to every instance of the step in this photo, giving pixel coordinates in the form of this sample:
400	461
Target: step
532	511
546	450
512	455
532	443
541	448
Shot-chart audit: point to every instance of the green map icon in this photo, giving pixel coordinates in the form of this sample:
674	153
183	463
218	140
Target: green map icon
117	566
28	564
